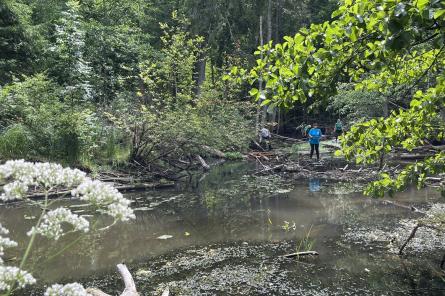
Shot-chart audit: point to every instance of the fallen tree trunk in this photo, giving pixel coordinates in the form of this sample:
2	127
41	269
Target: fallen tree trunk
203	163
214	151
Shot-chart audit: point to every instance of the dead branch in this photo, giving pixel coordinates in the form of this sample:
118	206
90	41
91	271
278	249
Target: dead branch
130	287
410	237
411	208
413	233
298	254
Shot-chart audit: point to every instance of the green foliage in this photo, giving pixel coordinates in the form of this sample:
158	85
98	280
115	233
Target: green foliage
364	36
234	155
33	110
168	77
15	142
17	46
176	134
356	105
378	45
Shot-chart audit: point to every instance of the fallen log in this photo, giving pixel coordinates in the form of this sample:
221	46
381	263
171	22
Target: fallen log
203	163
407	156
122	188
214	151
433	179
298	254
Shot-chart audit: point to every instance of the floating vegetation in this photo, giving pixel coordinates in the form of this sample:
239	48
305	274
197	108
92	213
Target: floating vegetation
392	238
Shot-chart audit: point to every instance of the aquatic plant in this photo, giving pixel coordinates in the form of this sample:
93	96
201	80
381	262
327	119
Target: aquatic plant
20	177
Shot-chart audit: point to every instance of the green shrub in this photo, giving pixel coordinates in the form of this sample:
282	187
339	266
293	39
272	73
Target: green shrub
234	155
15	142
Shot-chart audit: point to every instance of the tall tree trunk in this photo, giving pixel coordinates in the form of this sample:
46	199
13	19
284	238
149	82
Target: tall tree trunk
260	86
278	10
269	21
266	115
200	74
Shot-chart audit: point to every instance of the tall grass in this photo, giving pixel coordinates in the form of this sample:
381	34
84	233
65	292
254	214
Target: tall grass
15	142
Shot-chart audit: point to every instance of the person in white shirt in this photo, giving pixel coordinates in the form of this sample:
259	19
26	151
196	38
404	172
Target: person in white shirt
265	136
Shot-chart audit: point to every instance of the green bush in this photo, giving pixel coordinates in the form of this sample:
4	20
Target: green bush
234	155
38	124
15	142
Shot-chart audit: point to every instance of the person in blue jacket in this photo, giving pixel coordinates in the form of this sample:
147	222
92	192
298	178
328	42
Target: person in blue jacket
314	139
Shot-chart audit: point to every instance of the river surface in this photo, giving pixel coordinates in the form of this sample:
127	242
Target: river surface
224	234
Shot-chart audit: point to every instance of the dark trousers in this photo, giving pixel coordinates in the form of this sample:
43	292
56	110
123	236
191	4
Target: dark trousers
315	147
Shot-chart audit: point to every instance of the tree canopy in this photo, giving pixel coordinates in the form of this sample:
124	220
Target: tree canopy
392	47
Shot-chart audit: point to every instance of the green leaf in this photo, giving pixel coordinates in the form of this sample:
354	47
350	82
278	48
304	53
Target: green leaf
439	13
253	92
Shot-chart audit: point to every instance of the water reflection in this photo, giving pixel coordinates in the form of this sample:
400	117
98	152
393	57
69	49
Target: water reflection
314	185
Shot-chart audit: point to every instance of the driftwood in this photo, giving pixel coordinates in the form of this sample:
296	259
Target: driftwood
415	156
411	208
298	254
203	163
270	169
122	188
130	287
213	151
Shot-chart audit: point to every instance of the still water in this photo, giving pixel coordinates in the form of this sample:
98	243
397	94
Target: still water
224	233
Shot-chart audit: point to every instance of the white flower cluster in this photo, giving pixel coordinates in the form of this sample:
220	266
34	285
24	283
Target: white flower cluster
51	227
22	174
74	289
5	242
10	275
106	197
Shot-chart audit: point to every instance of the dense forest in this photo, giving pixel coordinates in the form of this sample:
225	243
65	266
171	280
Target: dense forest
76	76
103	97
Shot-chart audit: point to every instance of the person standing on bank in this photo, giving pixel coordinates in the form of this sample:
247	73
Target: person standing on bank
314	139
338	129
265	136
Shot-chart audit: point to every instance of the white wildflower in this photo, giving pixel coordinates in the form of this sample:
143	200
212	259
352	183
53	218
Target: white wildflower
3	231
74	289
24	174
14	190
105	196
51	226
10	275
121	210
5	242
